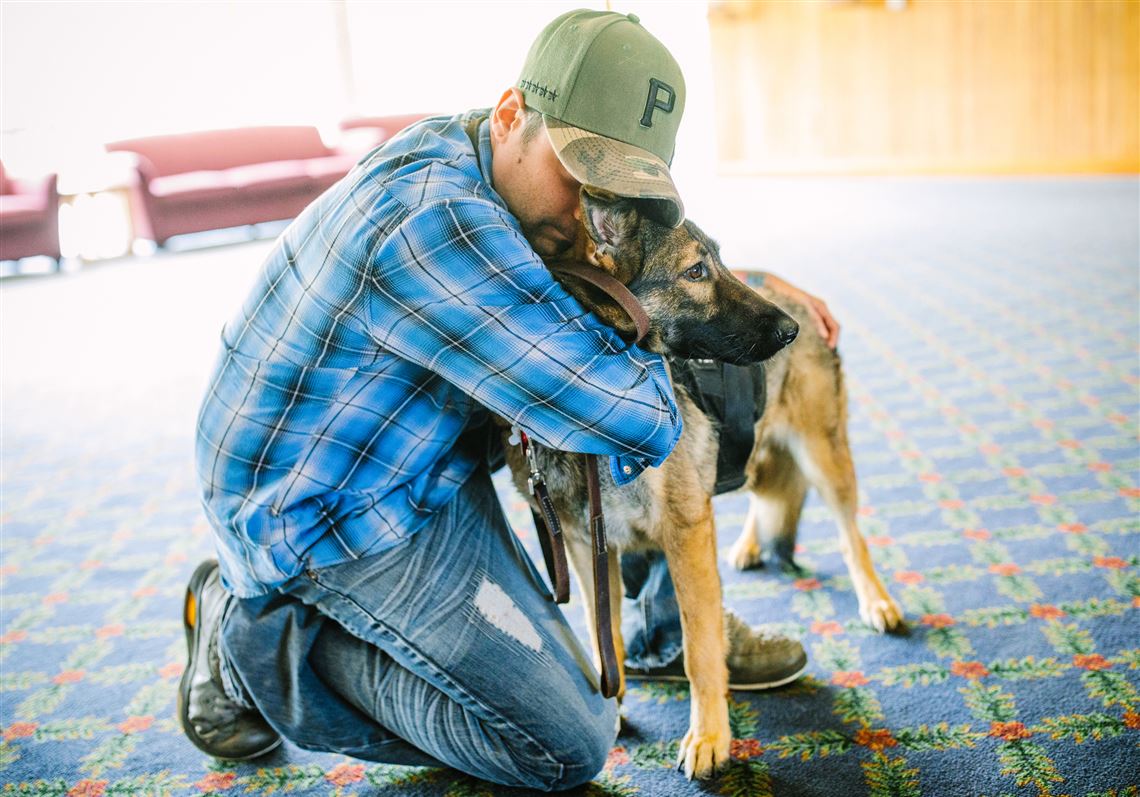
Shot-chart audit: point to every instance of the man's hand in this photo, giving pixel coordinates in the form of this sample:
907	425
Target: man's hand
826	324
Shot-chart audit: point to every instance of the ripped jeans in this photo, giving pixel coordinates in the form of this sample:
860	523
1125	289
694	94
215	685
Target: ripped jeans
446	650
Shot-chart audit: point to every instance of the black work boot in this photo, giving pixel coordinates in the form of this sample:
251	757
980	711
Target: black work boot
214	723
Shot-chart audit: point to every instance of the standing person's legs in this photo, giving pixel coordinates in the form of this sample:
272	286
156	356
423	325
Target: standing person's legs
650	618
757	657
447	649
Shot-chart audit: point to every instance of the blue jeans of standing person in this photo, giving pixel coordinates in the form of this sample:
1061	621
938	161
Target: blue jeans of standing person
446	650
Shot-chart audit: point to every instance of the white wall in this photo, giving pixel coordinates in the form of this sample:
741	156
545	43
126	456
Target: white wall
442	56
77	74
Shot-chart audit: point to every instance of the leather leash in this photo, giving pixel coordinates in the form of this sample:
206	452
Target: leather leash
604	631
614	288
550	530
617	291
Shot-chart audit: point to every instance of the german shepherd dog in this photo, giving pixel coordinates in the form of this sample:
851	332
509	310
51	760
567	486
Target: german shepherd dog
698	309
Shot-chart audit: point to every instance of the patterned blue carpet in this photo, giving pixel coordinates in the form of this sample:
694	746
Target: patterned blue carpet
991	337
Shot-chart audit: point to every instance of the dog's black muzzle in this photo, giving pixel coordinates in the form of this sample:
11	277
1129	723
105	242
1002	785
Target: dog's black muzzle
756	326
772	332
742	338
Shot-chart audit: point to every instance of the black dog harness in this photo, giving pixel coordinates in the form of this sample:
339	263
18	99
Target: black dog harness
733	398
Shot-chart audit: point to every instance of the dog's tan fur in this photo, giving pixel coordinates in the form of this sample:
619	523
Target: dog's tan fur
801	440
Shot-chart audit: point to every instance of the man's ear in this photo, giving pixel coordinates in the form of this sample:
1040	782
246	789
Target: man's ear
611	221
506	113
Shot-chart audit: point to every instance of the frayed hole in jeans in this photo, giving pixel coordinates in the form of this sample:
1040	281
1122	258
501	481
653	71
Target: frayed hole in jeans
500	611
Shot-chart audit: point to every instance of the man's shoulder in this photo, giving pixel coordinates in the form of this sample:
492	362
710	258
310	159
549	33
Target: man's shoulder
429	161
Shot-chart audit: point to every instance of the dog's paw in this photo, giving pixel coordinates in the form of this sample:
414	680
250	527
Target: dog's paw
882	613
745	553
702	757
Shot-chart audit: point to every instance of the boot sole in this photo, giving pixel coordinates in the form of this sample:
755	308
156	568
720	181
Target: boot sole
736	687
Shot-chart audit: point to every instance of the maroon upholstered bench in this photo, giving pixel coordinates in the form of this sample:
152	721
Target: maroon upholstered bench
29	217
207	180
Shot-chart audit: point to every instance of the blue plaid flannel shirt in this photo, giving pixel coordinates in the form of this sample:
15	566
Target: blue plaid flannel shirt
350	398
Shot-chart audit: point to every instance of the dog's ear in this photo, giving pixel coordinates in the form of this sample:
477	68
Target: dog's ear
611	223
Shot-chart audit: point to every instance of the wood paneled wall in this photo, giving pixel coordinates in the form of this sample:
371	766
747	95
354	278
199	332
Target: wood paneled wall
966	86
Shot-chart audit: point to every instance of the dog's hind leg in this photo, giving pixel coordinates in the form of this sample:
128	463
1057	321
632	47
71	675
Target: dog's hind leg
826	461
774	505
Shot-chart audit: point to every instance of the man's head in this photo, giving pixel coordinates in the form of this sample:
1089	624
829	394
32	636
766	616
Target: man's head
539	191
610	99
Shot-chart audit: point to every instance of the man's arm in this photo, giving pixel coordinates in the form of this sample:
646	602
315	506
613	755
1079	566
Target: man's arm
826	324
457	290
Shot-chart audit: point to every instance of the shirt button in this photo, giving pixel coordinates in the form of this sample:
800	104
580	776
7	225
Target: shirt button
627	470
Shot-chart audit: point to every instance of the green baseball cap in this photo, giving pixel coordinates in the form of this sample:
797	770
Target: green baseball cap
611	97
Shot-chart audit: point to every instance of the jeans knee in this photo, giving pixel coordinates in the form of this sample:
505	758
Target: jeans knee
587	747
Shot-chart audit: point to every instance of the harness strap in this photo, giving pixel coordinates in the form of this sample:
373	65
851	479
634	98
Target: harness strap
611	679
739	426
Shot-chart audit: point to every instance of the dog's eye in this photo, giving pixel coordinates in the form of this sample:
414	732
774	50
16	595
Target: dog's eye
697	271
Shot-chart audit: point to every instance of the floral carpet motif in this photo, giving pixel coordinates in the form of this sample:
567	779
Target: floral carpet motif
993	369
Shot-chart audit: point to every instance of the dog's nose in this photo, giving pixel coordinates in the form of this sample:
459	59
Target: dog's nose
787	331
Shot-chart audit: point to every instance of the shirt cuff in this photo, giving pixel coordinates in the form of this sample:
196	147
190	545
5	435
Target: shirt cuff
625	468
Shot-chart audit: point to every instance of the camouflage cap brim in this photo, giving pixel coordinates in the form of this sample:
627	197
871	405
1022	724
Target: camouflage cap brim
615	166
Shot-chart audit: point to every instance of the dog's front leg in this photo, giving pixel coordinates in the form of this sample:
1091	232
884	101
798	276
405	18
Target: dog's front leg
690	549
